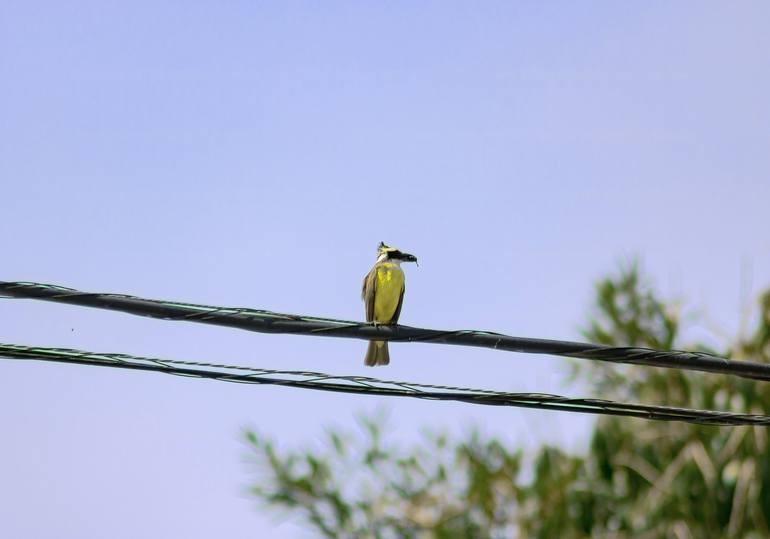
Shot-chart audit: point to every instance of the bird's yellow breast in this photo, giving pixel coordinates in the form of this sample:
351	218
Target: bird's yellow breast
390	283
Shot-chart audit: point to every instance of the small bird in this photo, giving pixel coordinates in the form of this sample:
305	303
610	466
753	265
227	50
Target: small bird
383	294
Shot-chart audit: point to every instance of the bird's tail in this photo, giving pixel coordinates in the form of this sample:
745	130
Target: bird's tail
377	354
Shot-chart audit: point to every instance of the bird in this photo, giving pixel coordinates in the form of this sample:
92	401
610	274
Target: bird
383	295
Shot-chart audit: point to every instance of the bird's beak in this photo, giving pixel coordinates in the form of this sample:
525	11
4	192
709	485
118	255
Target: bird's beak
406	257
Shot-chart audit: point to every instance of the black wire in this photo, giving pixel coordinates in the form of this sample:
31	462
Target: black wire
371	386
271	322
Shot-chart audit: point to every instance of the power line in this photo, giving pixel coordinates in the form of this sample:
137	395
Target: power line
272	322
363	385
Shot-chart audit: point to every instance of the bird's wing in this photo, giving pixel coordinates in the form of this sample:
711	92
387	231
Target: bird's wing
367	293
397	313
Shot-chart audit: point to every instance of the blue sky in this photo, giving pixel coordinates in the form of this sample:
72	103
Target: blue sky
254	154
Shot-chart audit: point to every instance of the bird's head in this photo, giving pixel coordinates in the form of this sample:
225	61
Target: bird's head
391	253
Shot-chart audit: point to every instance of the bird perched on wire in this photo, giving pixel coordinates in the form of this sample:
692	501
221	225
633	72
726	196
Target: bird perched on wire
383	295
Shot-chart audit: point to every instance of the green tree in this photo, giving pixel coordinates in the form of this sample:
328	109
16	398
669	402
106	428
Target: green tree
640	479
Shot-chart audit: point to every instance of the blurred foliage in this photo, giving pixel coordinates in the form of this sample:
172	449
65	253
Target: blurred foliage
638	478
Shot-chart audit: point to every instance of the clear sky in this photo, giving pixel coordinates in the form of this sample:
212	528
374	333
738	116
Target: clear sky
254	153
